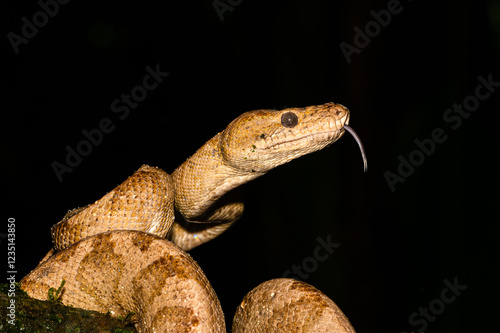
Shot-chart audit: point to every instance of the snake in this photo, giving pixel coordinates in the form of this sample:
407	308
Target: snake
126	252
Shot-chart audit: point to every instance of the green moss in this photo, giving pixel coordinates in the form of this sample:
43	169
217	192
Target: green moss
50	316
126	320
55	295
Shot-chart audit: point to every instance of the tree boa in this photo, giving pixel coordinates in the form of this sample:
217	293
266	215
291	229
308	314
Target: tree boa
126	251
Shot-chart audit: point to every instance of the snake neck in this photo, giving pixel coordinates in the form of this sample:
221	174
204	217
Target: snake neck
203	179
252	144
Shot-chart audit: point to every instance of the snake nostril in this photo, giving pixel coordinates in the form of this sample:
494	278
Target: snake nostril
289	119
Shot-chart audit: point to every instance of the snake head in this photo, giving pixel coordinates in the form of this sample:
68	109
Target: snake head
260	140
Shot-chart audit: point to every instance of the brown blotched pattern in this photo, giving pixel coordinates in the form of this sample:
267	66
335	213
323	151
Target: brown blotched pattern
142	202
114	272
287	305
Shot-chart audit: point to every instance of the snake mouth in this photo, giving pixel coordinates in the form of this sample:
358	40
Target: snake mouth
326	137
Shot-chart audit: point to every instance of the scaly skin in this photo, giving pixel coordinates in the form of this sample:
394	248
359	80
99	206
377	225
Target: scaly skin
110	268
131	271
142	202
250	146
288	305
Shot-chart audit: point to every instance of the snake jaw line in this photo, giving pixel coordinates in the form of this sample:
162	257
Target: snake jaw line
322	137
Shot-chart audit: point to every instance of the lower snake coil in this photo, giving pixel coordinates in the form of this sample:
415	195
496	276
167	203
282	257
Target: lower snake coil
126	252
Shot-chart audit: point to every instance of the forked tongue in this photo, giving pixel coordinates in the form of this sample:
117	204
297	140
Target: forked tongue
360	144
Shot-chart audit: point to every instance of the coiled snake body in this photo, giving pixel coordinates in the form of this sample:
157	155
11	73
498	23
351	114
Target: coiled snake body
115	257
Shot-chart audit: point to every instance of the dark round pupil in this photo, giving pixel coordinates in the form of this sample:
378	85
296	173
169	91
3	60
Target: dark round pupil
289	119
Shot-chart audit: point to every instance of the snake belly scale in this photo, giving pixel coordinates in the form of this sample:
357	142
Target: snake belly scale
126	251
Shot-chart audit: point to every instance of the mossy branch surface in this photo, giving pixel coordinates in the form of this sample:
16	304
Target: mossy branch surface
31	315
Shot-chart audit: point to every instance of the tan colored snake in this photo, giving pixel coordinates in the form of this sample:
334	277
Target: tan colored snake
113	253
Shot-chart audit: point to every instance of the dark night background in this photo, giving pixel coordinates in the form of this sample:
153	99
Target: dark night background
397	247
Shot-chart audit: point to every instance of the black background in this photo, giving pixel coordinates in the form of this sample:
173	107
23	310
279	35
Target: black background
396	248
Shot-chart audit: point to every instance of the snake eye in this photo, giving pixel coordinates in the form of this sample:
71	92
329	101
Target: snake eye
289	119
